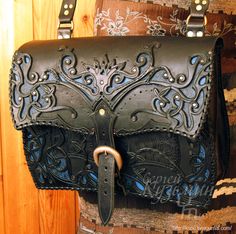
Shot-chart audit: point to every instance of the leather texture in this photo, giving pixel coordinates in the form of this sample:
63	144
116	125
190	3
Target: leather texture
157	100
197	18
106	187
67	11
104	122
65	24
94	70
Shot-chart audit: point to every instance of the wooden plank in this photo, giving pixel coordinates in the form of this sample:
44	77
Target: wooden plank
57	212
77	211
2	219
3	31
20	195
46	18
84	18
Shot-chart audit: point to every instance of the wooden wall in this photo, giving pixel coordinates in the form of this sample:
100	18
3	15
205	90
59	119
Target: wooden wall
24	209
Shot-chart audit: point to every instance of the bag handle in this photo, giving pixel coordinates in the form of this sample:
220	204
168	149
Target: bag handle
196	20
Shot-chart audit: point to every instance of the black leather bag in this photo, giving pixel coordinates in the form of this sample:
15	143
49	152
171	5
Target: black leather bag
141	116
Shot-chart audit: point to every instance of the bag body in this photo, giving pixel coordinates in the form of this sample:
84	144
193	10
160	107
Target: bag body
134	116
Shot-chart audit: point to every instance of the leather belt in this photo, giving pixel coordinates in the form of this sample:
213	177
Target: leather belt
106	157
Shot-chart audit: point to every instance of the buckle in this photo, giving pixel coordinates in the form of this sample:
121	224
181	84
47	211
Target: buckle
65	25
107	150
190	16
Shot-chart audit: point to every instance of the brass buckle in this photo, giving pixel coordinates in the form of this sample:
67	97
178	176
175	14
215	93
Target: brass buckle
107	150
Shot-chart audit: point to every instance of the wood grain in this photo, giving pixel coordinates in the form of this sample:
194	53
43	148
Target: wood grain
2	219
57	212
3	31
84	18
20	196
45	18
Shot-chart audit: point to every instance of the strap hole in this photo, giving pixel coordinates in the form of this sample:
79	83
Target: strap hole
105	180
105	192
105	168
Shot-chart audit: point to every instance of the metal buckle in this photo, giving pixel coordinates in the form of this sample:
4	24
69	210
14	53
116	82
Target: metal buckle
107	150
65	25
204	18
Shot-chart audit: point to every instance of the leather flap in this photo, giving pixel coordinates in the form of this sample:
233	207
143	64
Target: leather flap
143	83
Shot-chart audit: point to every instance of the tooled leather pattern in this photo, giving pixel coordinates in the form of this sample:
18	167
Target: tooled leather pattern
174	103
154	167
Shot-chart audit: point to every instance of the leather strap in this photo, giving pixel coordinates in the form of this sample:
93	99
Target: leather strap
104	119
106	187
65	24
197	20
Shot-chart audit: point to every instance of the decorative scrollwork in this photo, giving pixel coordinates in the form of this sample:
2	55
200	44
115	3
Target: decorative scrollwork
34	94
181	99
59	158
189	185
154	165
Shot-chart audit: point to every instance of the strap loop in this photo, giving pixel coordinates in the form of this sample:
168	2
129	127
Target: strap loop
197	20
65	25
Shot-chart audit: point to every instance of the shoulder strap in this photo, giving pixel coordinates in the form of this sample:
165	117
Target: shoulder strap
196	20
65	24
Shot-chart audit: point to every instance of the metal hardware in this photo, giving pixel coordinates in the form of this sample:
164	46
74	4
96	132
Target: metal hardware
65	25
204	18
102	112
196	21
107	150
